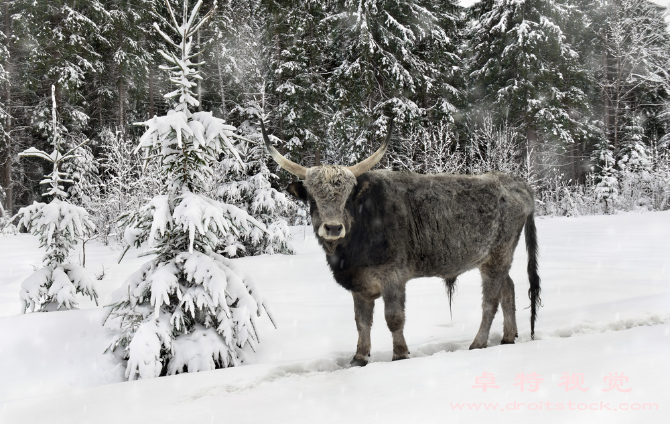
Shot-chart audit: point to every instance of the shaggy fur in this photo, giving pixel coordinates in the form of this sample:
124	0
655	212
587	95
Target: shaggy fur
398	226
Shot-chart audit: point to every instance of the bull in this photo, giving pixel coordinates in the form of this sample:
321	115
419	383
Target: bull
381	228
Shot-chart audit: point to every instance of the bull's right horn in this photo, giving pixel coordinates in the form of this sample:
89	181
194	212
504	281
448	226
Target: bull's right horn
292	167
365	165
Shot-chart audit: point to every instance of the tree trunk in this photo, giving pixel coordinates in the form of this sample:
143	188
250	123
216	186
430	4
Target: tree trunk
152	113
122	120
607	94
281	99
199	80
576	163
7	163
224	111
531	138
617	104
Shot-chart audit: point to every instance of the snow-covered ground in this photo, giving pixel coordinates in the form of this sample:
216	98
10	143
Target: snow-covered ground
606	297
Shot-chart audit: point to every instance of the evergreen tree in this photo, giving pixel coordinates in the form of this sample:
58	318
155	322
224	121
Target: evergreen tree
58	224
632	73
6	154
189	309
58	42
244	60
562	74
391	58
607	186
300	62
251	189
524	69
123	95
633	156
52	43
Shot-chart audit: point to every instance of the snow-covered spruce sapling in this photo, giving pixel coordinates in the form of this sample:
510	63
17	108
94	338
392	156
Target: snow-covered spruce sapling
251	189
7	228
188	309
59	225
607	189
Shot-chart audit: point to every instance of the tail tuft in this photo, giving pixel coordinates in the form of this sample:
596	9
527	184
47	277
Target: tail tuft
533	277
450	286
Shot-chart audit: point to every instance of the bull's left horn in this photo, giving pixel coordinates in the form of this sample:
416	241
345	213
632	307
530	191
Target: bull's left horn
364	166
292	167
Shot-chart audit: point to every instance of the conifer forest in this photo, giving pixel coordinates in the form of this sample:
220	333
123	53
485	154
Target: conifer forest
573	95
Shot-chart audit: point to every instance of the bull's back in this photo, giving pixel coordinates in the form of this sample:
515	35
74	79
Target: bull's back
447	224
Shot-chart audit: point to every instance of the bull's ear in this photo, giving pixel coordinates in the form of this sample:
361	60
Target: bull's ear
360	189
297	190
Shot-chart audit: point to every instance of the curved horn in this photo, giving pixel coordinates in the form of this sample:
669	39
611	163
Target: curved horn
364	166
292	167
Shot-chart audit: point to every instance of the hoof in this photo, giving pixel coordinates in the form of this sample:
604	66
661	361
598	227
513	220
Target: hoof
400	357
358	362
474	346
503	342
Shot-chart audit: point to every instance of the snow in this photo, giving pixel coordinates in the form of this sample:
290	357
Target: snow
145	347
56	215
62	289
81	279
605	291
34	287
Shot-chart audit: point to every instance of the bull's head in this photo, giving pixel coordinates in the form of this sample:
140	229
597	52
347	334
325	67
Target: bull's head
328	189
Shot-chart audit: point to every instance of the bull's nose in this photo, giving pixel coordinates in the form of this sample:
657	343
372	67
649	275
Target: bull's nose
333	230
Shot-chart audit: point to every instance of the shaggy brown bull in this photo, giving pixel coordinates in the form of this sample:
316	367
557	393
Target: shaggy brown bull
380	229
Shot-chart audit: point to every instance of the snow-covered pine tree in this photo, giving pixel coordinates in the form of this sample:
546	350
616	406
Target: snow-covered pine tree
6	155
300	62
634	165
82	170
52	42
632	154
127	92
188	309
633	76
394	58
251	189
242	57
58	224
7	227
607	185
61	39
525	71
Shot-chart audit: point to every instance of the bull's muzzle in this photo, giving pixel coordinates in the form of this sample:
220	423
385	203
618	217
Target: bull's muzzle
331	230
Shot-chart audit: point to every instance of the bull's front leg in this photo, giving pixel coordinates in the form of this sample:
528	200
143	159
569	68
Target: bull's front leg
394	312
363	310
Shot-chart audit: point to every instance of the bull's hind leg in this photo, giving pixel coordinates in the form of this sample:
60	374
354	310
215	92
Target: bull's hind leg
394	312
509	311
494	275
363	309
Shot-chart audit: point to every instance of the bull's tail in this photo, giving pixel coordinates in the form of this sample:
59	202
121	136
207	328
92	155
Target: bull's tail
533	277
450	287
